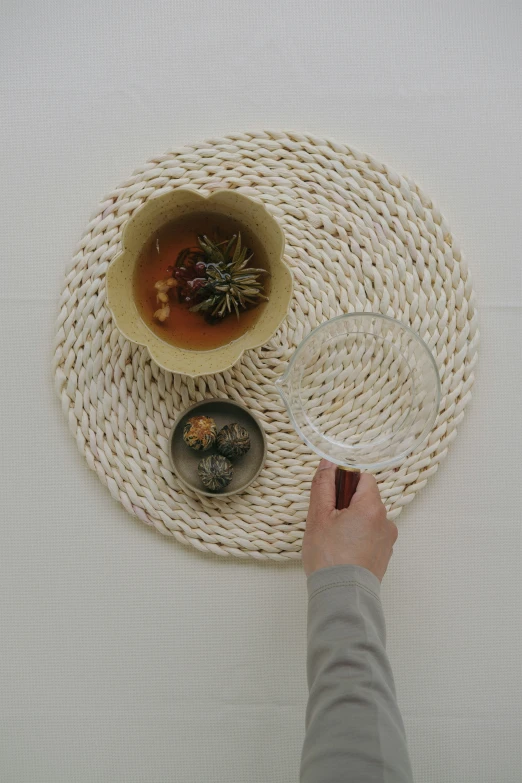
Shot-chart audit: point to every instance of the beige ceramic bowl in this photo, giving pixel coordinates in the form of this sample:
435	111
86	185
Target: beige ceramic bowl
144	223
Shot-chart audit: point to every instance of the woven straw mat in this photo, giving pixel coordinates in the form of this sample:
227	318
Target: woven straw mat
359	237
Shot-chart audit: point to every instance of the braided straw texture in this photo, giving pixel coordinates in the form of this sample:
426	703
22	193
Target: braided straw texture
359	237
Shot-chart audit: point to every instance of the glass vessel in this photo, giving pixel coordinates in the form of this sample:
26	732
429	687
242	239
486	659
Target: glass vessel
362	390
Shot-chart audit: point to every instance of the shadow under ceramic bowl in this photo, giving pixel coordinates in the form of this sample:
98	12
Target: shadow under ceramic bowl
145	222
185	460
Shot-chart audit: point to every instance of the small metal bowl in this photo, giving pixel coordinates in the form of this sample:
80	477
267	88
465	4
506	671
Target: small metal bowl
185	460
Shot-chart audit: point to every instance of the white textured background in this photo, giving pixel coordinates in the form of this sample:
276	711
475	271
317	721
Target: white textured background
124	657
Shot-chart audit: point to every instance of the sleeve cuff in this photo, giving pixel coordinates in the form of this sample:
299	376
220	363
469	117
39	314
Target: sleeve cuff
334	576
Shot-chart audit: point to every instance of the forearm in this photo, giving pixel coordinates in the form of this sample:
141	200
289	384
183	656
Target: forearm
354	729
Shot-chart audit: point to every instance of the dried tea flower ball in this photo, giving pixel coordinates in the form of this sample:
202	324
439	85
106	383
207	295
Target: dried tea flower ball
233	441
215	472
200	433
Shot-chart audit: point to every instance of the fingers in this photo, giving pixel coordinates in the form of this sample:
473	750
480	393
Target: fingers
367	497
322	496
367	488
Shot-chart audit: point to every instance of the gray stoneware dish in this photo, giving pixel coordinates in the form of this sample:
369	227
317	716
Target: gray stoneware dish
185	460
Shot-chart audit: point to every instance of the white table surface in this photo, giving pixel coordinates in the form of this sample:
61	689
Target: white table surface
125	657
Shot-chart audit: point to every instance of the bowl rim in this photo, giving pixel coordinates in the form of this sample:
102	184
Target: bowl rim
233	356
200	404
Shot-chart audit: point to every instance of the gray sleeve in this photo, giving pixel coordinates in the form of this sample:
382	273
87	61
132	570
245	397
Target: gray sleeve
354	730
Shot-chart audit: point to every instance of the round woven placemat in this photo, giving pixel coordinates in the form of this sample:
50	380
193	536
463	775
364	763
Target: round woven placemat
359	237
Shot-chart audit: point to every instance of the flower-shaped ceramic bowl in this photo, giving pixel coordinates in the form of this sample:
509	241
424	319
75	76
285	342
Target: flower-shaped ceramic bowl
149	218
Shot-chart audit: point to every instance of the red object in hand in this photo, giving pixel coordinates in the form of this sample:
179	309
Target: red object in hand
345	485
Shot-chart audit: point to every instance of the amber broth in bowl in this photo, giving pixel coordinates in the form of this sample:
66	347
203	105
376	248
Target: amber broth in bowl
157	261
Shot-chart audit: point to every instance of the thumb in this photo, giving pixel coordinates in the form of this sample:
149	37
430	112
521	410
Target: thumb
322	496
367	488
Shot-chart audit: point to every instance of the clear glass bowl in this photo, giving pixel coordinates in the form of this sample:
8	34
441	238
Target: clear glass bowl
362	390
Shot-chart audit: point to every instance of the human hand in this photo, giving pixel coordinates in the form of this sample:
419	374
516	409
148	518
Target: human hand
359	535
